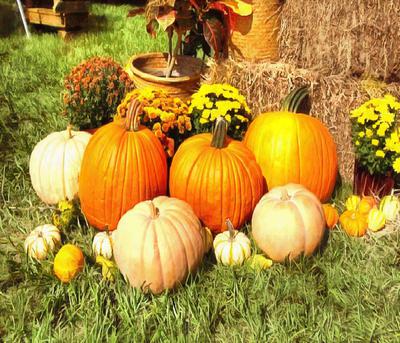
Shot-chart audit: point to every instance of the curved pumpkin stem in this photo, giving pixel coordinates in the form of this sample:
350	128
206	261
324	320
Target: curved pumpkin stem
155	212
285	195
219	133
296	100
132	116
69	130
231	229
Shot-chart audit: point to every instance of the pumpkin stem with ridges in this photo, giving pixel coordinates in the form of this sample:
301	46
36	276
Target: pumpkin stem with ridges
285	195
219	133
231	229
69	130
296	100
155	212
132	116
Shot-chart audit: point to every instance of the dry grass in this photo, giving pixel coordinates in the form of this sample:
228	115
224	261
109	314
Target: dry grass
332	97
335	36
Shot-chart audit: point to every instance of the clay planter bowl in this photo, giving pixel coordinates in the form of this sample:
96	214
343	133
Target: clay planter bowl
149	70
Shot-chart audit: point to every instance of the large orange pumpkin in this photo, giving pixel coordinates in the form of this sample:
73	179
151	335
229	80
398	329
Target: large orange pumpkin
218	176
124	164
294	148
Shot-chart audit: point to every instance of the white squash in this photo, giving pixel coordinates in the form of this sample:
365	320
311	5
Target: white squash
102	245
41	241
55	164
232	247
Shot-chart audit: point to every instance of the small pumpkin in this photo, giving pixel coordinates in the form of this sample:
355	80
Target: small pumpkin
232	247
376	220
367	203
108	268
102	246
331	215
352	202
158	243
287	222
124	164
218	176
207	239
41	241
259	262
390	206
55	164
354	223
68	262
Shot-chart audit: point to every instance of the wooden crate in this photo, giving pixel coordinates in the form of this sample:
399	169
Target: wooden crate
47	16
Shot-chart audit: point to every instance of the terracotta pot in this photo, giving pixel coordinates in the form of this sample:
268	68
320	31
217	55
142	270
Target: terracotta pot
368	184
149	70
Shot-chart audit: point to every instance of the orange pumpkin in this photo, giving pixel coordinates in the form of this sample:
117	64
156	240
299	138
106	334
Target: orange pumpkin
331	215
68	262
354	223
294	148
366	204
124	164
218	176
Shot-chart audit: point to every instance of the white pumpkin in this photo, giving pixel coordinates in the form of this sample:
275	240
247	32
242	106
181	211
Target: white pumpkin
41	241
55	164
390	206
102	245
232	247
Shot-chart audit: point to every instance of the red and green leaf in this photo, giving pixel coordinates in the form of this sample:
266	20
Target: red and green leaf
215	34
167	18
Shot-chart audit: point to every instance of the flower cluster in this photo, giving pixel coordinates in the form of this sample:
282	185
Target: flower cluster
376	133
93	91
220	100
166	116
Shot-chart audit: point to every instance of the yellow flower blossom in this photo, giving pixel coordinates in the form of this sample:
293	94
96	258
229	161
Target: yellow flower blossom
361	134
380	153
375	142
396	165
369	133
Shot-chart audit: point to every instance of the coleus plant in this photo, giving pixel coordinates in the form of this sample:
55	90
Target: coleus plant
204	24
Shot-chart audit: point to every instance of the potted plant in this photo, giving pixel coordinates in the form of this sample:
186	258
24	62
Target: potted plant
197	24
376	138
93	90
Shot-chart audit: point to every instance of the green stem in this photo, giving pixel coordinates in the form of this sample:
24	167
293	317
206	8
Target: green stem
219	133
295	99
155	212
69	130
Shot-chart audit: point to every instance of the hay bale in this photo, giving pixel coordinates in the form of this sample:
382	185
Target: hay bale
332	97
335	36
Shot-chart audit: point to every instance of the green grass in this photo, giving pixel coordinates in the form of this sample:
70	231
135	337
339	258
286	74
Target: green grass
348	292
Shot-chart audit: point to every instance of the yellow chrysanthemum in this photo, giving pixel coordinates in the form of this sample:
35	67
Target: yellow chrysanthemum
380	153
368	133
375	142
396	165
361	134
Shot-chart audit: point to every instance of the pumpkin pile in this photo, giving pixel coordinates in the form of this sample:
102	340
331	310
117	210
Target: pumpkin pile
157	217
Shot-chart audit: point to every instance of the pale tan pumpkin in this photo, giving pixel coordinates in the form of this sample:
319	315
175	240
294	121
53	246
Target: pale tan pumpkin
390	206
41	241
55	165
158	243
287	222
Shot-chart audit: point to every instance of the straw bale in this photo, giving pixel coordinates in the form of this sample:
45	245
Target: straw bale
332	97
353	37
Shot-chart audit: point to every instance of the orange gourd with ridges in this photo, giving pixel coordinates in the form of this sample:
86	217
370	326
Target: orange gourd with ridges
218	176
294	148
124	164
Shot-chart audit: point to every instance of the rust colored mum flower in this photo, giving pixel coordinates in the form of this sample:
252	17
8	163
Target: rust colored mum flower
93	91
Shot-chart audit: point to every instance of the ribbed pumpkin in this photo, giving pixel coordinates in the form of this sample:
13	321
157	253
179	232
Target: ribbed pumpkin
354	223
218	176
157	243
287	222
55	164
331	215
294	148
124	164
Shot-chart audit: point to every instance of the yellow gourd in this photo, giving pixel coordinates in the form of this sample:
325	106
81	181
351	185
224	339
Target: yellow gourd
68	262
376	220
390	206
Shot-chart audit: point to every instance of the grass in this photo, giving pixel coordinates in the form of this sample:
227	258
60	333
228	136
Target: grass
348	292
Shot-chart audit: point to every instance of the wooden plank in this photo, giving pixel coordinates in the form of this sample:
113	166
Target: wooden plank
45	16
63	6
